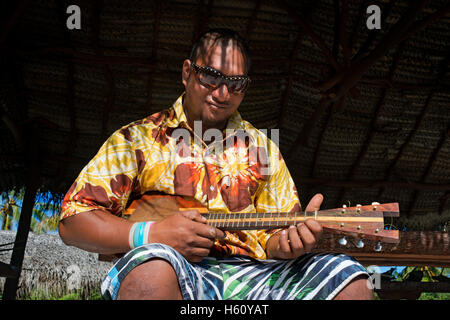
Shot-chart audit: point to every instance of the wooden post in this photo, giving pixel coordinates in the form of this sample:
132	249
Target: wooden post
33	183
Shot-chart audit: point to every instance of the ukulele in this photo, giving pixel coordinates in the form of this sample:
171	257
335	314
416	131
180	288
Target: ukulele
363	222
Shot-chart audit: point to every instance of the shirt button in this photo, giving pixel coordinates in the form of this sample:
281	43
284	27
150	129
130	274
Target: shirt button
211	188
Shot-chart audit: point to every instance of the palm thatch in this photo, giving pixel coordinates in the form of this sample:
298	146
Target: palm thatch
51	269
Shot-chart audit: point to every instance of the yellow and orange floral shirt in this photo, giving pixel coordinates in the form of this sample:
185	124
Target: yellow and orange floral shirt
236	173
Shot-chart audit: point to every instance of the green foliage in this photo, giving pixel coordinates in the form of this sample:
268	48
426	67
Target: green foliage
434	296
80	294
45	218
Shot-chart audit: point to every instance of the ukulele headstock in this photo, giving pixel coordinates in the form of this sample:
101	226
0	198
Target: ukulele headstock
362	222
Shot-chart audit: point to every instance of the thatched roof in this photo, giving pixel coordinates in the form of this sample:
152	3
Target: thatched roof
363	114
52	269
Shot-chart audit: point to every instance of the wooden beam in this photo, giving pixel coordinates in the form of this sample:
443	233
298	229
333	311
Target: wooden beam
32	185
346	80
415	248
401	32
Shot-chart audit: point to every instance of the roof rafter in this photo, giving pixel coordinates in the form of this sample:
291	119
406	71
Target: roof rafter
346	80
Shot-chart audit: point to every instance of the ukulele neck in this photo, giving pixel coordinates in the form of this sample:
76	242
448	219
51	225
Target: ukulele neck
255	221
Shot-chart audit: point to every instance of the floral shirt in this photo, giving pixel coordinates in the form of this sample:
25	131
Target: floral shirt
161	153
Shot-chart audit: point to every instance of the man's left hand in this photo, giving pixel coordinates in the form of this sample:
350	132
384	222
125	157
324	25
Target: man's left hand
296	240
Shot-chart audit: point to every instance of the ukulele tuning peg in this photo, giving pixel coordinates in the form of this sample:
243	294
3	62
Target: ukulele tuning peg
375	204
360	244
378	247
342	241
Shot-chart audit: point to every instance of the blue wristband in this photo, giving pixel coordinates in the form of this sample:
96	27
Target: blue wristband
139	234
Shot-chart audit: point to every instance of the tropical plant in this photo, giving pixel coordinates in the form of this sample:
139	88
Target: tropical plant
45	214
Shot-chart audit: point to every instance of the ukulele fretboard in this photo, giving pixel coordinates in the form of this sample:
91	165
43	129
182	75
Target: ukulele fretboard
247	221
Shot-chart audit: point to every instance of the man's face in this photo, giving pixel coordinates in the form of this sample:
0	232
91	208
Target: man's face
213	106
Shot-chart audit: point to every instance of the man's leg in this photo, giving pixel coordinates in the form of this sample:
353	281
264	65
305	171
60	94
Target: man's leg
152	280
357	289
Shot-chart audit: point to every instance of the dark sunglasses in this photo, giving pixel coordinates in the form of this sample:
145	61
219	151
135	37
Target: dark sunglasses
212	78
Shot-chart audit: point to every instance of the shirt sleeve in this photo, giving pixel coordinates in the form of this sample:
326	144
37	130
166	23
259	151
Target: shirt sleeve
107	181
278	194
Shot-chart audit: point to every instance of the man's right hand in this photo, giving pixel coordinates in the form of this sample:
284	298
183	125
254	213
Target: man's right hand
186	232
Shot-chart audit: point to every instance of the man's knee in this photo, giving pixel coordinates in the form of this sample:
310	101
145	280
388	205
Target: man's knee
357	289
154	279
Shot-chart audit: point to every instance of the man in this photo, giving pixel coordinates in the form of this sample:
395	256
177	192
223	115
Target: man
181	256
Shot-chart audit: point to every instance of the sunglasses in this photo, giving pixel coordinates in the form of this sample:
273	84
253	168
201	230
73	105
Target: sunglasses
212	78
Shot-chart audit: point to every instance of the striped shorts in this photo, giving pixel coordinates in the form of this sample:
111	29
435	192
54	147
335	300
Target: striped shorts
311	276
